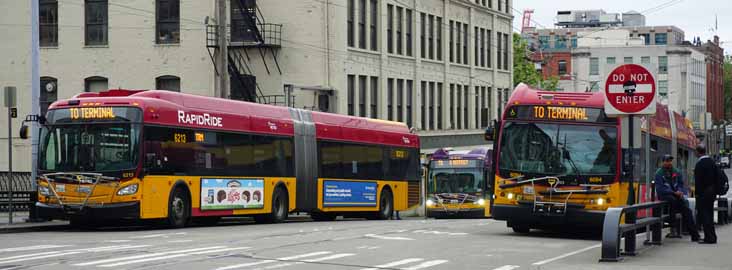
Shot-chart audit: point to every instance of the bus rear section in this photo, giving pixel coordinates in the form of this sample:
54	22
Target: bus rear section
457	185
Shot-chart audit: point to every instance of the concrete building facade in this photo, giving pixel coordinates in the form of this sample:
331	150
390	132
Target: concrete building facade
442	66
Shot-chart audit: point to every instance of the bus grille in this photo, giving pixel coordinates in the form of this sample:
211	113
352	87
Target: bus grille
413	191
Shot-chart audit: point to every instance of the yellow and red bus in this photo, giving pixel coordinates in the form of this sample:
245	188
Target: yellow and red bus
558	159
161	155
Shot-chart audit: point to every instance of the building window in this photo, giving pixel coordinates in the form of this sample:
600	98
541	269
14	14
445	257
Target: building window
611	60
562	66
362	95
488	46
505	49
431	35
400	100
390	28
96	22
477	107
95	84
482	47
543	41
574	41
459	107
167	19
374	23
424	105
439	38
390	99
351	93
400	28
628	60
646	38
439	106
168	82
49	93
452	41
374	97
48	23
466	96
645	59
663	64
594	66
362	24
432	106
451	99
423	33
560	42
458	47
409	102
409	31
476	48
466	60
351	14
661	39
499	50
663	88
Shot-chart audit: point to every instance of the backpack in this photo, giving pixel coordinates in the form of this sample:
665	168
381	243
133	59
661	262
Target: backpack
722	182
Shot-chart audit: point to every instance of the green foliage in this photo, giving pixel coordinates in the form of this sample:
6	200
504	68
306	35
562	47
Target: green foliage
524	70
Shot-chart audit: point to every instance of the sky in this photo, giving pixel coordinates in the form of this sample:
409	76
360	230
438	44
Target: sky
695	17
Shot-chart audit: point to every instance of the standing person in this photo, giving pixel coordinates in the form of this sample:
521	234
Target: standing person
705	174
670	187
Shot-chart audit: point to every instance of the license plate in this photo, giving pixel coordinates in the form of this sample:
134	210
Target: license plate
84	189
60	188
453	201
528	190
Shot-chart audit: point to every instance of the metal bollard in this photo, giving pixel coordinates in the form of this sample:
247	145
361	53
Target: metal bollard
629	250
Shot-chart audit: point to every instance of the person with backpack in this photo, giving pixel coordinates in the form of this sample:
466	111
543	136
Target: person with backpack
670	188
706	174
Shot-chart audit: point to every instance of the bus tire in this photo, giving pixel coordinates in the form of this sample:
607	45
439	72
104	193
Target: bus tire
280	208
322	216
179	208
386	205
521	229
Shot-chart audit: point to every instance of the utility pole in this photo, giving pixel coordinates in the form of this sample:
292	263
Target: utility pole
222	62
35	93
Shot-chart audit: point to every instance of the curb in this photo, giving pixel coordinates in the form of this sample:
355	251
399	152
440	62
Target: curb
32	227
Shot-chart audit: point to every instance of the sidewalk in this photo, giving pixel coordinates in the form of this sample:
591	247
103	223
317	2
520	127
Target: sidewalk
20	223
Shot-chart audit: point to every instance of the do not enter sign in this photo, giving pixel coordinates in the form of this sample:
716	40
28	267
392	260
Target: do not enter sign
630	89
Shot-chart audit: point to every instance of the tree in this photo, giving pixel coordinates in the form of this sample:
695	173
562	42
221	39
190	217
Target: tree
524	70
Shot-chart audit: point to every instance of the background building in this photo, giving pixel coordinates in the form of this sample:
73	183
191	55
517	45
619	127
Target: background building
444	67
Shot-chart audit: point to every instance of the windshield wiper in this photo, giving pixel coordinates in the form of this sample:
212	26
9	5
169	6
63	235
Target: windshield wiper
568	157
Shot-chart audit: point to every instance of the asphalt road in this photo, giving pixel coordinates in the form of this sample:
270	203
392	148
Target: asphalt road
344	244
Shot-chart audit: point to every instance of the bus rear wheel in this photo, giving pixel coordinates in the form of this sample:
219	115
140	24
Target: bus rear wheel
386	205
280	209
179	209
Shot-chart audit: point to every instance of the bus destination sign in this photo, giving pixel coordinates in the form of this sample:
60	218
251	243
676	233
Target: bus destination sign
557	113
92	113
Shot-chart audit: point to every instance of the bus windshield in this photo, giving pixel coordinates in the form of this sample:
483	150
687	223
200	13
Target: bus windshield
446	180
558	149
89	147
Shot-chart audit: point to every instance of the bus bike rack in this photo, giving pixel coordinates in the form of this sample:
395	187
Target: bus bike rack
79	178
551	208
444	206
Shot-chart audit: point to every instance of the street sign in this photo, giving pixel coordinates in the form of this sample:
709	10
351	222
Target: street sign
630	89
10	94
13	112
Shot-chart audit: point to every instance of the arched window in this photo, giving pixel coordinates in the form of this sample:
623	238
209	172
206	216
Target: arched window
96	84
49	93
168	82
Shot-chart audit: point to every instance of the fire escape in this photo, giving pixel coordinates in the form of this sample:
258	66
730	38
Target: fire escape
248	33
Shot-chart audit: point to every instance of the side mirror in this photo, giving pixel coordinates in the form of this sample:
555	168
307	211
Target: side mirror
491	132
24	132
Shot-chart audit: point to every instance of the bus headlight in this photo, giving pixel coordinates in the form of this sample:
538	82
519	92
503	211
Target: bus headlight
44	191
430	203
510	196
480	202
128	190
600	201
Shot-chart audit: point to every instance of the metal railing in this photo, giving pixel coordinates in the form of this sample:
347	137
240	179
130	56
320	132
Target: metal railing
613	230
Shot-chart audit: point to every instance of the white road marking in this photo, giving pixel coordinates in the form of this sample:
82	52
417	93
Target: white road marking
566	255
295	257
31	248
426	264
326	258
180	241
165	235
118	241
382	237
56	254
172	256
397	263
507	267
28	255
147	255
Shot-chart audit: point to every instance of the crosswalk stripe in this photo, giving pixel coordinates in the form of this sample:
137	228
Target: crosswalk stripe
33	256
147	255
331	257
397	263
295	257
31	248
426	264
56	254
28	255
171	256
507	267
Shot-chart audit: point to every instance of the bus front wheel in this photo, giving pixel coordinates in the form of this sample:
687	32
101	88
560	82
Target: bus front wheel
179	210
280	209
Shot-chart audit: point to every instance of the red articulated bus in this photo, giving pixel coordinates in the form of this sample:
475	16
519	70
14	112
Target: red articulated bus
124	154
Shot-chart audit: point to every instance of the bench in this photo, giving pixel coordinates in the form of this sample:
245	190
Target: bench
613	230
